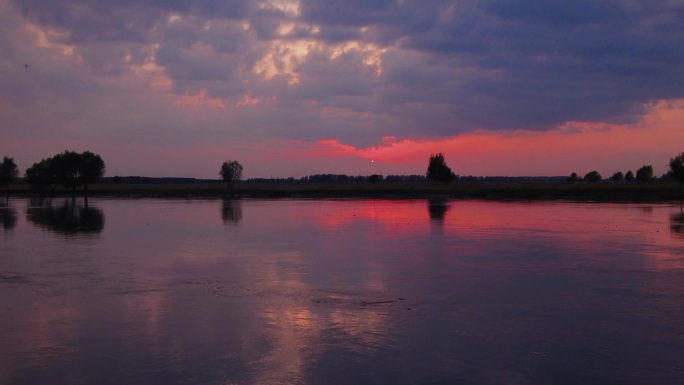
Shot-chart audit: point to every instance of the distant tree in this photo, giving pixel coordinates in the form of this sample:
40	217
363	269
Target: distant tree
8	171
629	176
73	169
70	169
92	168
676	169
438	170
65	167
644	174
573	178
374	179
617	176
41	175
592	177
231	172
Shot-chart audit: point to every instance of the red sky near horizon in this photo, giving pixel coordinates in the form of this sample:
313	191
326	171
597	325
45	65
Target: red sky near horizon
292	88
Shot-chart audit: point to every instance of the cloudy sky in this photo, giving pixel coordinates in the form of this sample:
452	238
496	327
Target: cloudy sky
298	87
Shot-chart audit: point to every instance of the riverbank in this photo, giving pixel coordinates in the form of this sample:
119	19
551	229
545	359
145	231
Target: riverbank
507	191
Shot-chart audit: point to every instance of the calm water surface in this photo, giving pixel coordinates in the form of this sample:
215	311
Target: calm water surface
340	292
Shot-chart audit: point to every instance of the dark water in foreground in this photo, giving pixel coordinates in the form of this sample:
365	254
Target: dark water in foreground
340	292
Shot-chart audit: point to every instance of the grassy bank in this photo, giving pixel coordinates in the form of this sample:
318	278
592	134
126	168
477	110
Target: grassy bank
507	191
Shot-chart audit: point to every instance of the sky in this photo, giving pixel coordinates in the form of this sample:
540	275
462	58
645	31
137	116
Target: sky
291	88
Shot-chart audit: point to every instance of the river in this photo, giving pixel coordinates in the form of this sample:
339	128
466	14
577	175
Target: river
212	291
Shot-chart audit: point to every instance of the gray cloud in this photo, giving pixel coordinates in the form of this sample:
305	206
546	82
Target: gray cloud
539	64
447	67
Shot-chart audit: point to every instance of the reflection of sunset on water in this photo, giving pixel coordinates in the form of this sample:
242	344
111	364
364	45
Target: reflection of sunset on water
297	315
309	291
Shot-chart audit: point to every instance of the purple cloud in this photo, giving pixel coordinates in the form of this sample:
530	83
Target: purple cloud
354	71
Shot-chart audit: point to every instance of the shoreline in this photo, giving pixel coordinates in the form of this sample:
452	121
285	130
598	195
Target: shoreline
625	193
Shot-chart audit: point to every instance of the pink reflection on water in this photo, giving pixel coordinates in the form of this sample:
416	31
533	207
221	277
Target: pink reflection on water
290	284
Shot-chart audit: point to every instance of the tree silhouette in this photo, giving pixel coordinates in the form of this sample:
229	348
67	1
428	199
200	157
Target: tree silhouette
676	169
644	174
231	172
438	170
70	169
629	176
592	177
573	178
8	171
617	176
41	175
66	167
92	168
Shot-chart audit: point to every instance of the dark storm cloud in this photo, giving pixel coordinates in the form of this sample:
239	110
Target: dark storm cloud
390	20
121	20
446	67
541	63
92	22
538	63
527	64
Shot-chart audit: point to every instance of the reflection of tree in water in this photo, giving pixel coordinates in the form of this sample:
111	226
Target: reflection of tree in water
677	222
438	208
231	211
8	215
69	218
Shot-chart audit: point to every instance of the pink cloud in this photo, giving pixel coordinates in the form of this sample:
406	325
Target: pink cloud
579	147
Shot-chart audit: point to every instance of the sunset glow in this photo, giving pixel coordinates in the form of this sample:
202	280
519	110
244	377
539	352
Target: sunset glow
293	88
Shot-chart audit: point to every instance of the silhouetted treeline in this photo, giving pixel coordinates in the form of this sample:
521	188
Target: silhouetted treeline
510	179
341	178
154	180
290	180
69	169
335	178
644	176
406	179
347	179
409	179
